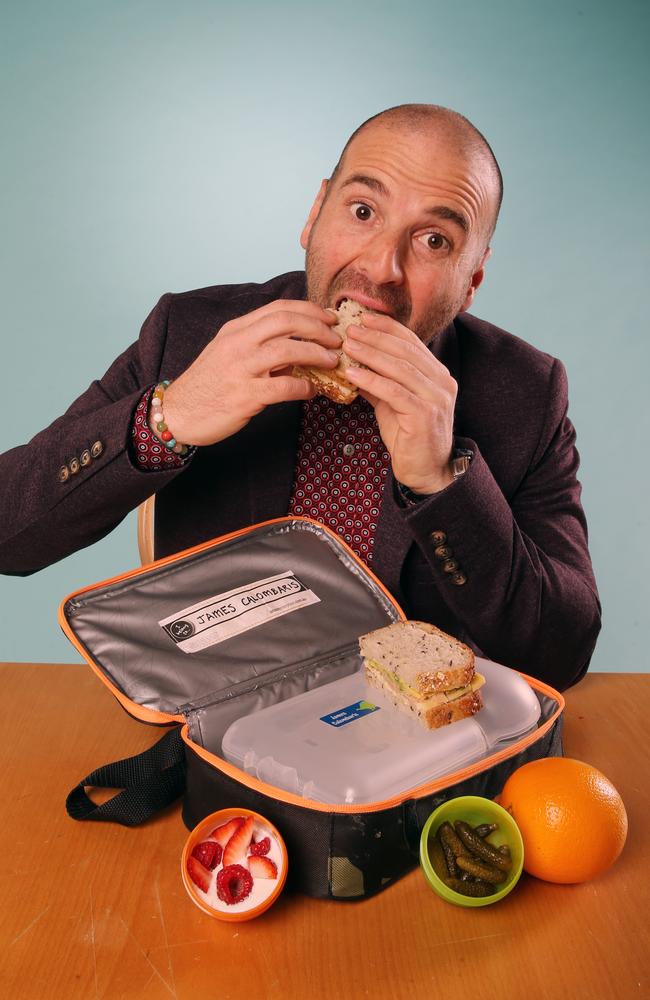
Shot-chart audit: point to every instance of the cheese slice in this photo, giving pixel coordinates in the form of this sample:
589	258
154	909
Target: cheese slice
393	680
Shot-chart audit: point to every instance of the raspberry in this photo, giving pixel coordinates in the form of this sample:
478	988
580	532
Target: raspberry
261	847
208	853
234	883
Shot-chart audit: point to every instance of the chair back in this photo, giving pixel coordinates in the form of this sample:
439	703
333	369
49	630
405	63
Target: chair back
146	514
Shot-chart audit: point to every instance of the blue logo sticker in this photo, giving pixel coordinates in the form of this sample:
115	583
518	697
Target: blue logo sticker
349	714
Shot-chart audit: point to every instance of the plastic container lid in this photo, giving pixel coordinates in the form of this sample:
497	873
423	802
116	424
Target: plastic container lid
343	743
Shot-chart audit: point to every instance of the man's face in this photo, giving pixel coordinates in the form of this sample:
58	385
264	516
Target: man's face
403	228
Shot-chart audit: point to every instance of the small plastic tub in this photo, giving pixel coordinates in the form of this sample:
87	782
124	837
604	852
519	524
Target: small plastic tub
474	810
264	891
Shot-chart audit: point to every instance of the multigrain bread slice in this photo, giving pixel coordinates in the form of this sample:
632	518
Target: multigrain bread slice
333	383
426	659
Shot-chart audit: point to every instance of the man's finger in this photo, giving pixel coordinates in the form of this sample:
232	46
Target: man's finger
401	399
285	323
385	323
283	351
301	307
282	388
395	368
410	348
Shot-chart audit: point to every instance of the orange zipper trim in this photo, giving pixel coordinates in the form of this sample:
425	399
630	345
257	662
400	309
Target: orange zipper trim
234	772
164	718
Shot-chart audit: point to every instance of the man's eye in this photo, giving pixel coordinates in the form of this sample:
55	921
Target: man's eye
361	211
435	241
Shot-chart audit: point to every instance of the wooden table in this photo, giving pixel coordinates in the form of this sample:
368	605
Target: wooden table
96	910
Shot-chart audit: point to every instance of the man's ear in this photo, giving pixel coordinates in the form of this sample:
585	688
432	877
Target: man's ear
477	278
313	214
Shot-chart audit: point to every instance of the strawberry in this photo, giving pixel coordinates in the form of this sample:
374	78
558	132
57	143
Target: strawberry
222	834
261	847
237	846
198	873
208	853
262	867
234	883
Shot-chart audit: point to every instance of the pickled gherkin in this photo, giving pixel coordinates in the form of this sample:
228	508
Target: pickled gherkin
481	848
485	829
465	860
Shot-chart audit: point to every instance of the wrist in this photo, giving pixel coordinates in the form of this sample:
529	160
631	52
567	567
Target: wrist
444	479
412	497
158	423
457	467
414	493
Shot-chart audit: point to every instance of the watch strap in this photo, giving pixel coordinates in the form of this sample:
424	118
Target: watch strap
460	463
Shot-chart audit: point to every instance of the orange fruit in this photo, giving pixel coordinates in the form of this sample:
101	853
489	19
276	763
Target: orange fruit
572	819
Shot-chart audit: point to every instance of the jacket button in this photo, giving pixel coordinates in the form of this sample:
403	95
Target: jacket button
74	466
438	537
443	552
84	458
63	474
348	450
450	566
97	449
458	579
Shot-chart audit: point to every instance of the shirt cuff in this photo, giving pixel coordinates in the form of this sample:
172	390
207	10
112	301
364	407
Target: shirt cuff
148	453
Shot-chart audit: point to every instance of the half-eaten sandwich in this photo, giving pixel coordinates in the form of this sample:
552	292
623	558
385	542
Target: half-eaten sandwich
423	671
332	382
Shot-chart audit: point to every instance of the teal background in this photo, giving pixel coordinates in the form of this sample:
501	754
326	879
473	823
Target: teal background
150	147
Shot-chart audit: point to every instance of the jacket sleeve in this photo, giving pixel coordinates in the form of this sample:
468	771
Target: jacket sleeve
529	597
74	481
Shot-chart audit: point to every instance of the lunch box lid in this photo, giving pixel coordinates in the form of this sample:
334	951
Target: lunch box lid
226	617
345	743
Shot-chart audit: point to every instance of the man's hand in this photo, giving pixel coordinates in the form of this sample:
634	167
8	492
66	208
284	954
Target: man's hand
248	367
413	395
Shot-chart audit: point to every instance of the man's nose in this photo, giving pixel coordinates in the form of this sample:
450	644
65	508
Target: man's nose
381	260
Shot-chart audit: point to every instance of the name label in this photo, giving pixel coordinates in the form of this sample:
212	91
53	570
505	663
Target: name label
221	617
349	714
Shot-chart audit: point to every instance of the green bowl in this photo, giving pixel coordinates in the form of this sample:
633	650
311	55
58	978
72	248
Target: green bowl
474	810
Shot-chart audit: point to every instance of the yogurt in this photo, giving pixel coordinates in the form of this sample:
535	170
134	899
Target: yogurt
262	887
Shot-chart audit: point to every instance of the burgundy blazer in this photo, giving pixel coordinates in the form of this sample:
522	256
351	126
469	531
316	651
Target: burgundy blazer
514	521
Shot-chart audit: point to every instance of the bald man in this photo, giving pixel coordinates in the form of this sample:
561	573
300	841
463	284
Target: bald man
453	474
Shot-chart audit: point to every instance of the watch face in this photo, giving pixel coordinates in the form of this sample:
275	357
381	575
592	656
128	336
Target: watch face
460	465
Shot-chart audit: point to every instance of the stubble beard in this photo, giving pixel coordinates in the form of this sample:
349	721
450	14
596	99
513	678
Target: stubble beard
324	293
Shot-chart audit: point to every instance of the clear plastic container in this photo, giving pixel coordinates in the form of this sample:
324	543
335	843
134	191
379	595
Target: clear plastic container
344	743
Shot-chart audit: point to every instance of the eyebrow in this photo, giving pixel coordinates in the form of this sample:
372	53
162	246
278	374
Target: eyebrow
372	182
443	212
437	211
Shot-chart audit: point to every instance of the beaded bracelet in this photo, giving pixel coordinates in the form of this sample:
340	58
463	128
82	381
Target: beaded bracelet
158	419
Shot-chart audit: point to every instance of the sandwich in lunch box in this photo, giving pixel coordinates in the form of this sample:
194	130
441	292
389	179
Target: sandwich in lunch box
423	671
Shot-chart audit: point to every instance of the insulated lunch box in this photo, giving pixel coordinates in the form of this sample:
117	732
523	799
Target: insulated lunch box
224	636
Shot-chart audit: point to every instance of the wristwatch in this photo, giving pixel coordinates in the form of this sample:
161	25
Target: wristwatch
461	458
460	461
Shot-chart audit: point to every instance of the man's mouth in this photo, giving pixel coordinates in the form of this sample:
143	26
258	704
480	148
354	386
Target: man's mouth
365	300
